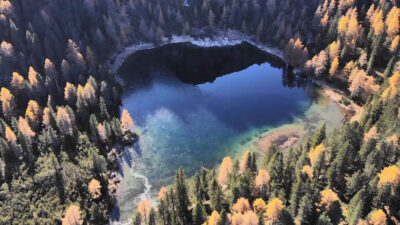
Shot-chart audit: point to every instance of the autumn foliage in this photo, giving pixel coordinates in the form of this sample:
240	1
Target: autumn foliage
94	188
72	216
389	175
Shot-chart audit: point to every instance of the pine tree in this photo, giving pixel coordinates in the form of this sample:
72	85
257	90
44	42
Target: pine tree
183	203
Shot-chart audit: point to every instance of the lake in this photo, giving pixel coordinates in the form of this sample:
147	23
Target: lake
183	119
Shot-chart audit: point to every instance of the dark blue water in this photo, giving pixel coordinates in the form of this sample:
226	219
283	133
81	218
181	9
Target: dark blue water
193	126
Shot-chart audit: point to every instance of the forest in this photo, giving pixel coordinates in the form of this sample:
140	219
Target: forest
63	126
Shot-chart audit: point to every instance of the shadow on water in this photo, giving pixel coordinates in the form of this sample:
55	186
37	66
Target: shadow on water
193	64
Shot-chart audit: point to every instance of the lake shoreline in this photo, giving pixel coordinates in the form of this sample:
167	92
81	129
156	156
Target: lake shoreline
285	136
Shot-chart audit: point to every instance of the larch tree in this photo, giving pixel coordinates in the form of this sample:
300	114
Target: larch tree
25	129
94	188
328	197
394	44
243	162
214	218
334	66
334	49
377	23
342	25
241	206
64	121
6	49
377	217
17	81
8	103
389	175
144	208
315	153
101	130
325	20
126	121
307	169
259	205
33	111
250	218
70	94
10	136
162	194
33	77
50	69
262	180
392	22
72	216
224	171
273	211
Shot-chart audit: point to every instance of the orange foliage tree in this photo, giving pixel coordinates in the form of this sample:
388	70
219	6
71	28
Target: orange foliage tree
389	175
72	216
224	171
94	188
377	217
241	205
273	211
144	208
126	121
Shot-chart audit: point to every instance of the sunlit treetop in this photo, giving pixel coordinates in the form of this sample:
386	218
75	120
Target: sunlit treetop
144	208
262	179
162	193
378	217
274	209
10	136
25	129
389	175
259	205
241	205
126	121
72	216
328	197
315	153
94	188
17	81
224	171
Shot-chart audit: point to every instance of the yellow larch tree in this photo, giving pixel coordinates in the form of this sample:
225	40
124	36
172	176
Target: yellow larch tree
377	23
224	171
334	66
162	193
353	28
101	130
144	208
17	81
237	219
259	205
25	129
33	110
64	121
392	22
69	90
334	49
347	69
10	136
371	134
273	211
262	179
241	205
243	162
394	44
72	216
46	116
33	77
250	218
342	25
94	188
307	169
389	175
126	121
378	217
328	197
214	218
315	153
325	20
8	102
